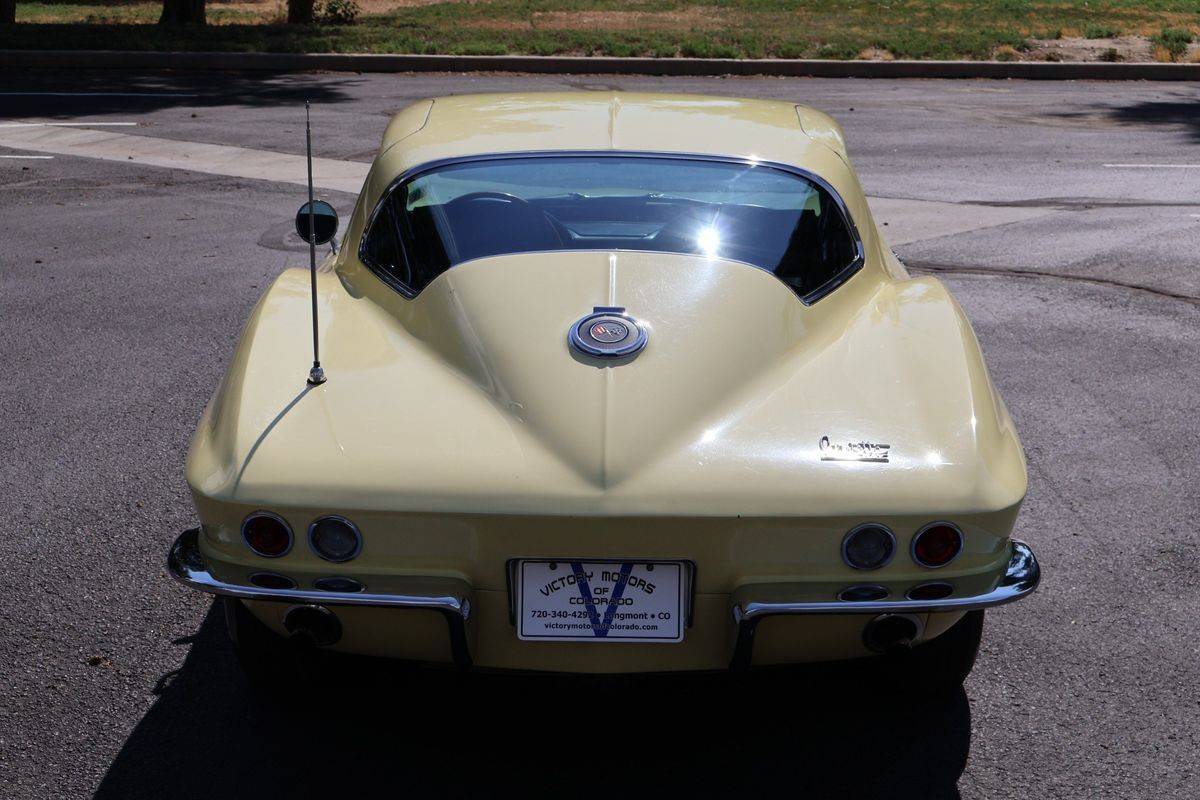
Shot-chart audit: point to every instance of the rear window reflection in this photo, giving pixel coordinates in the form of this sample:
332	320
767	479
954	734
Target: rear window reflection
760	215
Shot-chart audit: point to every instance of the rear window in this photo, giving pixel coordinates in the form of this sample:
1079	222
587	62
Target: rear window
770	218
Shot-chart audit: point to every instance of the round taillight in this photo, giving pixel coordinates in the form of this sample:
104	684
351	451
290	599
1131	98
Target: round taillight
869	546
267	534
335	539
937	544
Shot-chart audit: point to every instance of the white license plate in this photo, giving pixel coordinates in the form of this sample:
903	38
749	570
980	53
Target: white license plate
601	601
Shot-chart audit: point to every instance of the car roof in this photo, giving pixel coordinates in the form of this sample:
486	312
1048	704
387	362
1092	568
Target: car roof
461	126
464	125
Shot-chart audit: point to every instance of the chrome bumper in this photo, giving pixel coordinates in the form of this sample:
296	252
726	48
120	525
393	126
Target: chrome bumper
754	603
449	596
453	598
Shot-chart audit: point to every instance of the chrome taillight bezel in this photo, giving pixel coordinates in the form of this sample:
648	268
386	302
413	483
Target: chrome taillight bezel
358	544
858	529
253	515
912	546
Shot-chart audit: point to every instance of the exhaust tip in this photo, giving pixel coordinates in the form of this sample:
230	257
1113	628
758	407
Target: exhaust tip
891	633
313	625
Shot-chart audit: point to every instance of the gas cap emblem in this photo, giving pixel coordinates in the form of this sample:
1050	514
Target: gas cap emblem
608	332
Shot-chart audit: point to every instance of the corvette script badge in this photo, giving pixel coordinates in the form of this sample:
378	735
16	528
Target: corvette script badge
854	451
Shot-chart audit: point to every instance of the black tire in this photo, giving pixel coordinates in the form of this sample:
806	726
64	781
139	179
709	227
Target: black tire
941	665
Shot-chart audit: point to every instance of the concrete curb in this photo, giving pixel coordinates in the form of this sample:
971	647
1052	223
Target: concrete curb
369	62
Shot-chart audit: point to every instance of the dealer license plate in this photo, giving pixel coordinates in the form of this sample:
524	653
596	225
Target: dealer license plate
601	601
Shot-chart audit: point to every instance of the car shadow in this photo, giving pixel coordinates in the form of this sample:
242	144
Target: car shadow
368	724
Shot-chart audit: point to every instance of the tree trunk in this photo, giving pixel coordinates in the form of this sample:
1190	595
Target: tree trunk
8	12
300	12
181	12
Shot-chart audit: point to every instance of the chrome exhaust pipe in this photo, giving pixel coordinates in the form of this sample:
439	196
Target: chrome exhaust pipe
892	633
313	626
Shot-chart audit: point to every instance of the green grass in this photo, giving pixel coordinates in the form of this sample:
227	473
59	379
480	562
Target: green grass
1174	41
923	29
1094	31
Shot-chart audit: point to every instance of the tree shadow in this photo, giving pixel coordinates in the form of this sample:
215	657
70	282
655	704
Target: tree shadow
368	724
1182	112
129	92
93	2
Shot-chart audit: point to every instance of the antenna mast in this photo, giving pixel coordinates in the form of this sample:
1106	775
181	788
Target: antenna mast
316	375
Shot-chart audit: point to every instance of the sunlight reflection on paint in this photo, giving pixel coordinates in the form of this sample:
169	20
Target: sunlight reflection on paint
709	241
934	459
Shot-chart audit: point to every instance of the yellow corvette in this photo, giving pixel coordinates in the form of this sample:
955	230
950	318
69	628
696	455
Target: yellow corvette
608	383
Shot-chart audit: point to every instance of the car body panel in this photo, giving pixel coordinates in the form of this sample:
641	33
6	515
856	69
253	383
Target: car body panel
746	382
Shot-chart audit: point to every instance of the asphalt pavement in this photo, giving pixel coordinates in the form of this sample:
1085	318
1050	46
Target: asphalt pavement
1065	217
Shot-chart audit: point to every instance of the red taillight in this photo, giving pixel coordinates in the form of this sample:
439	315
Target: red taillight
267	534
936	545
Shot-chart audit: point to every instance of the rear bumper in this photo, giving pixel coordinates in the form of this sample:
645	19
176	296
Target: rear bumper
754	603
450	597
454	599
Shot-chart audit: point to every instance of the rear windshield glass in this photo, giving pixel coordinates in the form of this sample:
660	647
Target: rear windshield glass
766	217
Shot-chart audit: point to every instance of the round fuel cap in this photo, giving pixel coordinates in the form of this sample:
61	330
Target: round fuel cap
607	333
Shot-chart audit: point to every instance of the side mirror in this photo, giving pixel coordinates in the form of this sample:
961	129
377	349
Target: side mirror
324	221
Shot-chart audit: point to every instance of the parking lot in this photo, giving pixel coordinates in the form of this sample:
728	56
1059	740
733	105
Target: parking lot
140	228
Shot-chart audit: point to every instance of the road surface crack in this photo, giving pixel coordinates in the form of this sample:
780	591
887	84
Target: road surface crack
921	266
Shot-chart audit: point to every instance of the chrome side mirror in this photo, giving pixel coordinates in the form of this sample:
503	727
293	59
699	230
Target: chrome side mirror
324	221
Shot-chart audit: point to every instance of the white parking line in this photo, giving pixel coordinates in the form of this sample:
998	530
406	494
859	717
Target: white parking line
39	158
214	159
907	221
67	124
1153	166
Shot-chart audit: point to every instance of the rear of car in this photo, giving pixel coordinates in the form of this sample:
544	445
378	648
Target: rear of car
616	383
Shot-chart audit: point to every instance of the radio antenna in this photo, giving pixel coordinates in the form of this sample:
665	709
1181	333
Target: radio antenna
316	375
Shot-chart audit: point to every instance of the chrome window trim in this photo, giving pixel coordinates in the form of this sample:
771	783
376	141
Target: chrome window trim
277	518
856	529
912	545
357	533
813	296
